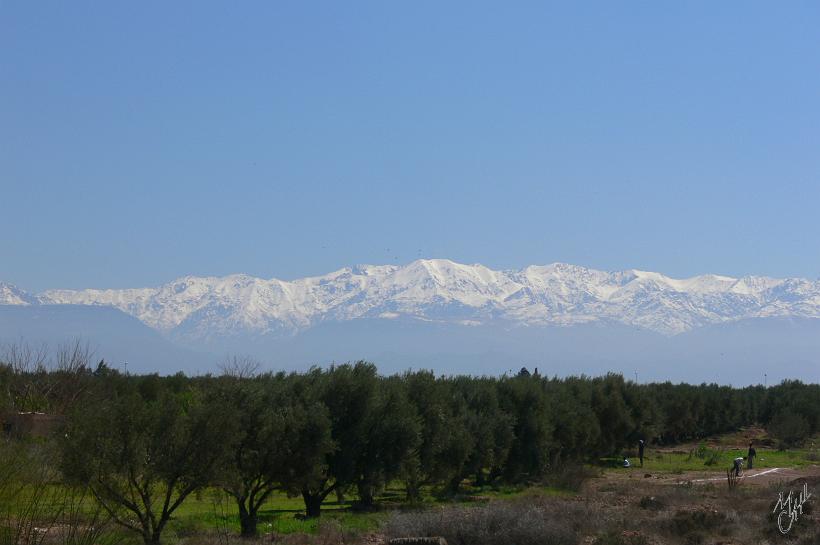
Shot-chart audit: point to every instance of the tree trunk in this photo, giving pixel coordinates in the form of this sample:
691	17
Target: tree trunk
413	491
366	493
313	504
151	536
247	521
454	485
495	473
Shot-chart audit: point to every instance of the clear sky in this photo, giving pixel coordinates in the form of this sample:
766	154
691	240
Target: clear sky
142	141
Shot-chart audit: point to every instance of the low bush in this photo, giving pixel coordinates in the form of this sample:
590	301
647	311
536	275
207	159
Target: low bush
789	428
613	537
329	533
713	457
697	525
651	503
570	476
500	523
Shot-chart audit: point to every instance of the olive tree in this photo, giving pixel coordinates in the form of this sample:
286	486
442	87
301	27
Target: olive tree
348	394
280	441
142	457
392	437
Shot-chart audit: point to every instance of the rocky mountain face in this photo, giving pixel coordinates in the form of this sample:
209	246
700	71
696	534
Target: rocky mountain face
453	318
11	295
441	291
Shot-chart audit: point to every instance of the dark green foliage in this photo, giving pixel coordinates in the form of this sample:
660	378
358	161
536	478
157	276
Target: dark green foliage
279	441
577	428
525	399
391	438
349	392
614	415
789	428
445	442
144	443
491	429
142	451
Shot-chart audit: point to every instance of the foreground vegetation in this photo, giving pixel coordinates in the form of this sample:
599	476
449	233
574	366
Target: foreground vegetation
145	453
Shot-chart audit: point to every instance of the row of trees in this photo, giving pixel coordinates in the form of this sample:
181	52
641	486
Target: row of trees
143	444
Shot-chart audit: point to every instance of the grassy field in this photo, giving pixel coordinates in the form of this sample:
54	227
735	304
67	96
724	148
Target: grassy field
212	512
715	459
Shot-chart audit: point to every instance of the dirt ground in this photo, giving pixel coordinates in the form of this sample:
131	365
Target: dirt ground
754	477
699	507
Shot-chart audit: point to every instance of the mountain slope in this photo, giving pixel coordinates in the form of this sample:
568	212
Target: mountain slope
11	295
111	334
443	291
447	316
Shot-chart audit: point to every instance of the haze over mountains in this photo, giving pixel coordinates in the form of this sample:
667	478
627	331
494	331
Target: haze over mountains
437	313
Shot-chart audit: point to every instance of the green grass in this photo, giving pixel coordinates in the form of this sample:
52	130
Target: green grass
213	511
678	461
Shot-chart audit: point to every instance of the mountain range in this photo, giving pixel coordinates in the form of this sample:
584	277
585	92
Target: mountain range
372	303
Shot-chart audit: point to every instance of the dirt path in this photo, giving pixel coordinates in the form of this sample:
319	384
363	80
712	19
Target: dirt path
756	477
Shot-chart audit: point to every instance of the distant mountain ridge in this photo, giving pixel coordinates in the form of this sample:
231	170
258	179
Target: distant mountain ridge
12	295
442	291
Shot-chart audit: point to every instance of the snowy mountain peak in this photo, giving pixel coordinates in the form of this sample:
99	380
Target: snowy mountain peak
442	290
11	295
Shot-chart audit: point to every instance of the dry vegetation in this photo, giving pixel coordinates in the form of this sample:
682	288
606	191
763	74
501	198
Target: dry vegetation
622	512
609	511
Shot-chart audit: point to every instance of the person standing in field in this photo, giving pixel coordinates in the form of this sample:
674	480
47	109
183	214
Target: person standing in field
738	464
751	455
640	450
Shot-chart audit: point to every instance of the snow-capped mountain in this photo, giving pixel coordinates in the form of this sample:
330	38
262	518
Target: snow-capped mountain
11	295
440	290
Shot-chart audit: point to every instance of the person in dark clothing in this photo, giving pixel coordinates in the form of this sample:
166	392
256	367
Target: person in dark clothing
640	451
752	454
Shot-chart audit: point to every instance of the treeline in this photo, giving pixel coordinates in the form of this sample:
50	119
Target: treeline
143	444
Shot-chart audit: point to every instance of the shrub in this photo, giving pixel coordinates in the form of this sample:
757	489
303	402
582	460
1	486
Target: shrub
700	452
570	476
696	525
500	523
713	457
651	503
613	537
789	428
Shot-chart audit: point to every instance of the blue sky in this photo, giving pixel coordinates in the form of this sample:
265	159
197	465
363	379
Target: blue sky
144	141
